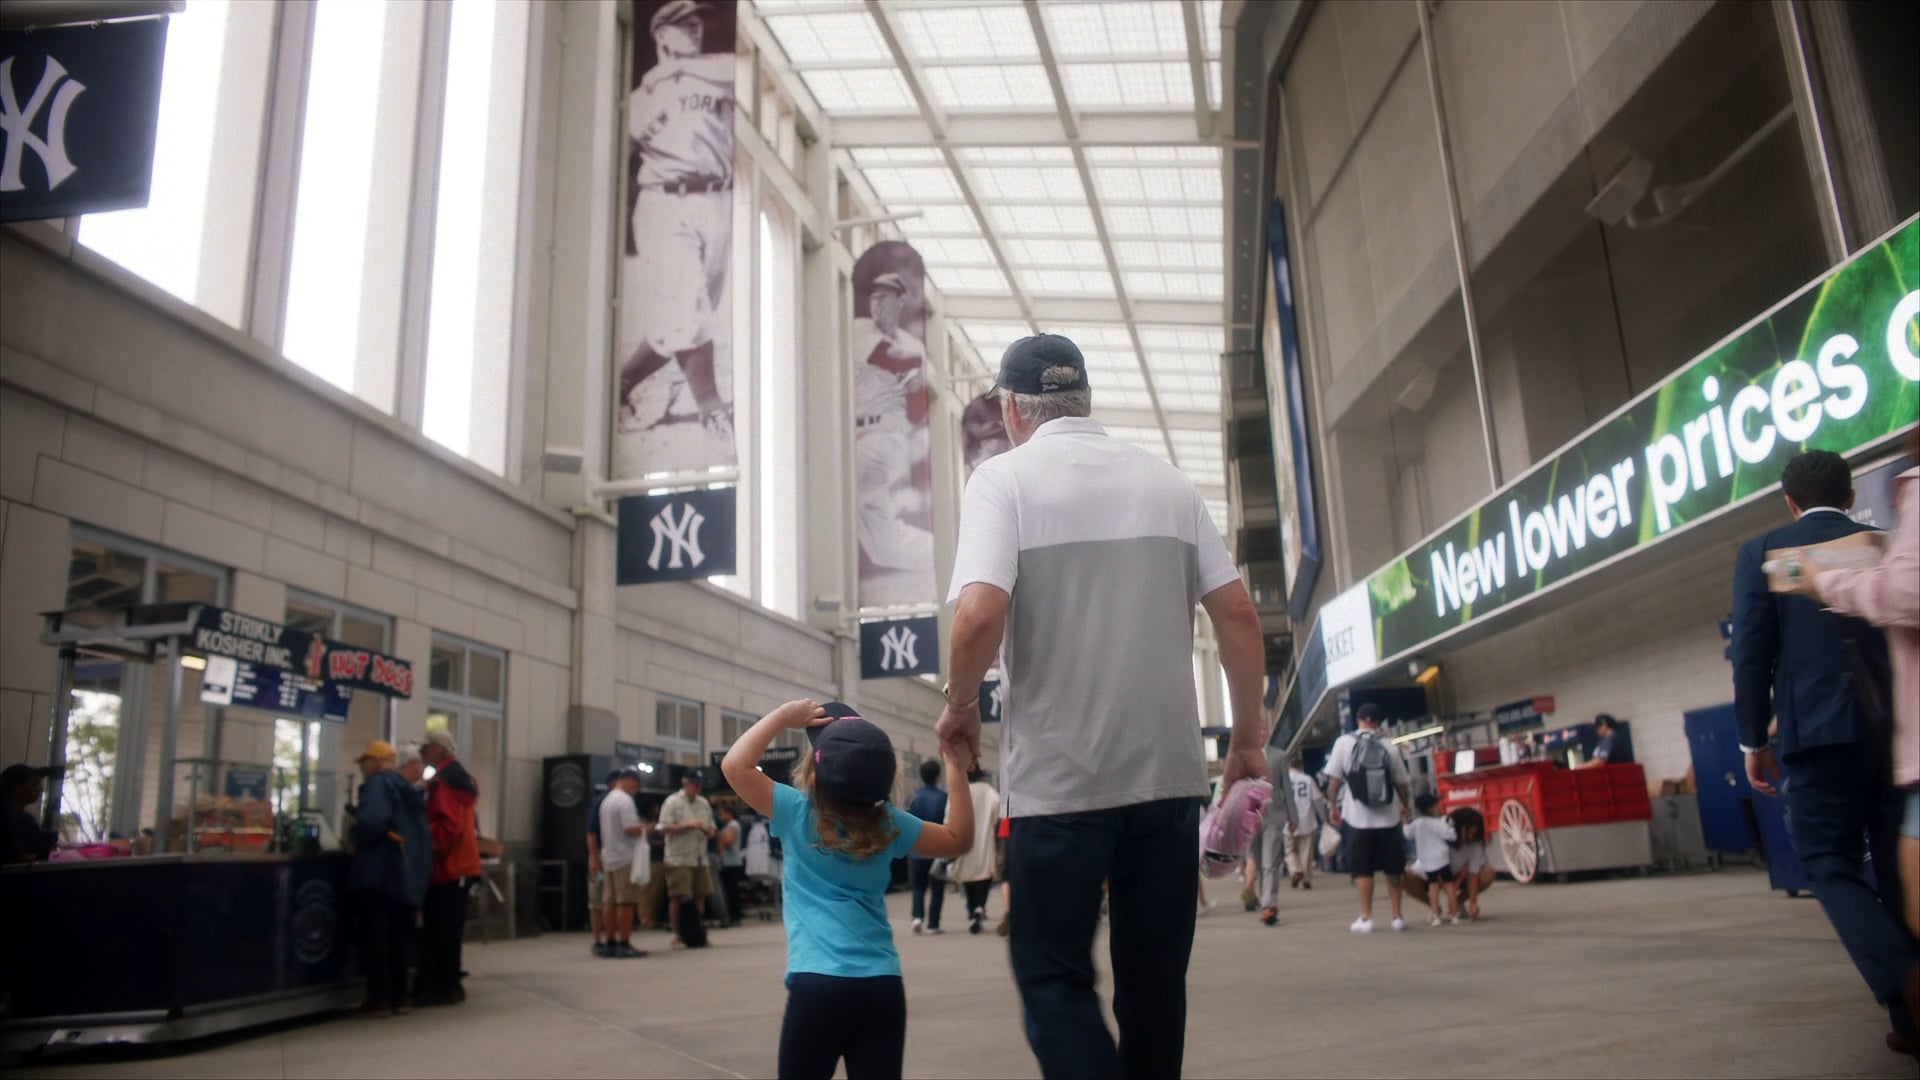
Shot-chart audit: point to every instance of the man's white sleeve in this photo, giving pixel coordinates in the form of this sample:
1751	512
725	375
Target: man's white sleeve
1214	567
988	549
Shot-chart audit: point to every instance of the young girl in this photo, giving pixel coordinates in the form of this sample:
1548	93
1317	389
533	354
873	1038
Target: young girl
845	998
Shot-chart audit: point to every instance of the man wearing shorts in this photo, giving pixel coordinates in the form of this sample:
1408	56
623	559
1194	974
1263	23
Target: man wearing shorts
687	821
1374	844
620	843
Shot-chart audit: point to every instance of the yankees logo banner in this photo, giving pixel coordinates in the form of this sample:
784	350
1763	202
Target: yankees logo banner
673	393
993	700
676	537
897	648
79	107
893	472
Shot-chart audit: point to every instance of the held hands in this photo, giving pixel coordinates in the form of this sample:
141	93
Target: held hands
959	733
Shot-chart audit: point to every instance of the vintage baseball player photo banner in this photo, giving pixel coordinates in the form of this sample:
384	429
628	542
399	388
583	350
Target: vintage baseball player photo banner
983	431
79	108
893	473
673	380
679	536
896	648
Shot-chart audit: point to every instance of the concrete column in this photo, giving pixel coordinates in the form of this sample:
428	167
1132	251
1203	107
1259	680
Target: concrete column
34	552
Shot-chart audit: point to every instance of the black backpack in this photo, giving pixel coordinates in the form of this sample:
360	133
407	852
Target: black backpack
693	931
1369	772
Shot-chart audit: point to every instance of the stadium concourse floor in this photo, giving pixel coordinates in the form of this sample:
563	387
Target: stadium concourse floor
1689	975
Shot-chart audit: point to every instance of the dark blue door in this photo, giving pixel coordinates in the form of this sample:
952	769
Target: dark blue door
1720	774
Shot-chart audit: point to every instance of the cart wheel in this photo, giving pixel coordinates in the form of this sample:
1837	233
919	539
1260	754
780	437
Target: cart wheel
1518	842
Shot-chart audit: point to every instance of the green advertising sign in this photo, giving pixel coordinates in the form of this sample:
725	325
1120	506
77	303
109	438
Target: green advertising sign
1832	367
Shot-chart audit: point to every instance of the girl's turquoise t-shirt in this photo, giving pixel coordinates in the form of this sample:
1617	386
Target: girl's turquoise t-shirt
835	906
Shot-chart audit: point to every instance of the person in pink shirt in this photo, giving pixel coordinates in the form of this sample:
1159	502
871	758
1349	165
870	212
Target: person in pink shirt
1888	596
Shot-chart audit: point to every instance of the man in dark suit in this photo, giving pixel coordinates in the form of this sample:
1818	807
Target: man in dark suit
1795	660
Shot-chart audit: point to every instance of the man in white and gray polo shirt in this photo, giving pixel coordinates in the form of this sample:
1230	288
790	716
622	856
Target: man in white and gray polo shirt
1086	556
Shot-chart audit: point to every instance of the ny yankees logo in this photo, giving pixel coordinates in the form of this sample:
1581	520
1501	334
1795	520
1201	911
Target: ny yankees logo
17	124
901	644
683	535
998	699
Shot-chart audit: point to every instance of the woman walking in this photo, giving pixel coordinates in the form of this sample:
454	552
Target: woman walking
974	870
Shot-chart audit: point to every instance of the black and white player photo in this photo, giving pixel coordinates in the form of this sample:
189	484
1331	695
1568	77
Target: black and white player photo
893	472
674	404
983	431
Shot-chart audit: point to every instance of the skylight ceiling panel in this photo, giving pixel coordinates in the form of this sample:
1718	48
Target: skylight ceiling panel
955	251
942	220
914	184
1182	401
860	90
1051	221
1148	85
895	155
1122	399
1210	24
1015	155
1045	281
979	32
1056	254
1191	339
1097	335
971	280
1177	285
1166	255
1128	28
824	39
996	88
992	336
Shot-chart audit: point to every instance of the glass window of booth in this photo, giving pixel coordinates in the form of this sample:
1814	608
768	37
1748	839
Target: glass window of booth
466	688
314	760
116	712
679	730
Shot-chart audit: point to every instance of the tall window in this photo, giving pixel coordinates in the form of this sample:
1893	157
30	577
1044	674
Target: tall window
678	730
193	238
350	218
778	464
475	239
466	697
317	757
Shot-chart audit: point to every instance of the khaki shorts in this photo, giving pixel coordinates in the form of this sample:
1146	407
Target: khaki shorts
617	887
689	881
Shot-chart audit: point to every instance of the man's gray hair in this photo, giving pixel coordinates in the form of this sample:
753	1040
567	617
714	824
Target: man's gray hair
407	753
1037	409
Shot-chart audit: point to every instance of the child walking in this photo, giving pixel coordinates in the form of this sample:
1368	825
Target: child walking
1432	858
845	998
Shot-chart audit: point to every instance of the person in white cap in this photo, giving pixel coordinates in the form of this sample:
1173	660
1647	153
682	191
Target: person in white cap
451	795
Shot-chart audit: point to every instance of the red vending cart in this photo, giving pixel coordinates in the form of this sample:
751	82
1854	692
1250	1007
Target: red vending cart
1550	820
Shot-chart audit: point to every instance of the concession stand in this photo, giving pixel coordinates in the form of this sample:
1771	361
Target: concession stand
232	912
1547	819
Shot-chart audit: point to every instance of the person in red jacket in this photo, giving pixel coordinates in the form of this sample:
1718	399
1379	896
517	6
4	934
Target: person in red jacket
456	860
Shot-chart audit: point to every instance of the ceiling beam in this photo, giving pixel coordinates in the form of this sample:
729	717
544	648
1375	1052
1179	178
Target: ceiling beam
935	121
1197	63
1177	421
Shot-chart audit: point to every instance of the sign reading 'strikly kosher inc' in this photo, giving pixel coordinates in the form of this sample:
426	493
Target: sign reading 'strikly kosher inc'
1832	367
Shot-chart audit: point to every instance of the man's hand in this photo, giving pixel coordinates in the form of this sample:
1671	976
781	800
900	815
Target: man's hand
1334	818
1763	768
1245	763
1808	582
593	864
959	729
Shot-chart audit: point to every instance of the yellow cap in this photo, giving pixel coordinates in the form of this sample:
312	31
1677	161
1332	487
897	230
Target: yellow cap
378	748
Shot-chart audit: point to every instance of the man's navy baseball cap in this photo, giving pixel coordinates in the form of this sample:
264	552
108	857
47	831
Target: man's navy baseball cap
1024	365
852	759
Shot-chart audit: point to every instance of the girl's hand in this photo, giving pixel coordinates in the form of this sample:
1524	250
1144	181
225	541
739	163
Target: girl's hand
799	714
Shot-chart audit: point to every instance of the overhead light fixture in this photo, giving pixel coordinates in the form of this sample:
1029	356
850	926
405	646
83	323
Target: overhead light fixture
1426	675
194	663
1421	734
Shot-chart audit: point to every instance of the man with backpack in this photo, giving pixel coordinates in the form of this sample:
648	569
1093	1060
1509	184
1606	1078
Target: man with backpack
1367	786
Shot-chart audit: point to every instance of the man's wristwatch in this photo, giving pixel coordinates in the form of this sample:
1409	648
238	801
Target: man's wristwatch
947	693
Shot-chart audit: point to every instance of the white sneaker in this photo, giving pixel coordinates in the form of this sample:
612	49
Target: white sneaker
1206	908
935	930
917	925
1434	920
1362	925
1398	924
